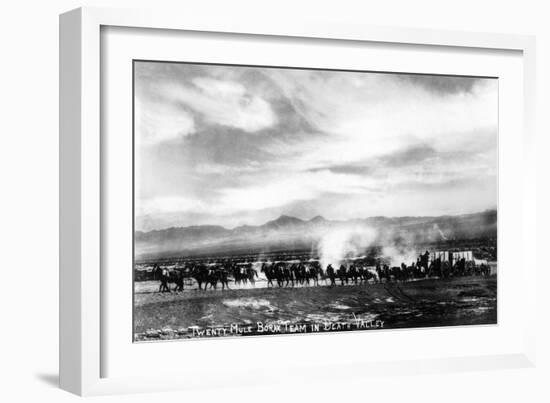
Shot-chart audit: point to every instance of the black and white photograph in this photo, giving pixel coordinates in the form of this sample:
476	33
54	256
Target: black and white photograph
274	200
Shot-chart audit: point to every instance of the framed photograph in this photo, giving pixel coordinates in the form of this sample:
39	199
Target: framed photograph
317	200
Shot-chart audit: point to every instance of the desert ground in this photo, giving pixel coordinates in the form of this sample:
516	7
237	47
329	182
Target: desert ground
249	311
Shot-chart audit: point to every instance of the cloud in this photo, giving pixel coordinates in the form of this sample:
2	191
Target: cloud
228	144
443	85
163	204
407	157
224	103
412	155
287	189
161	122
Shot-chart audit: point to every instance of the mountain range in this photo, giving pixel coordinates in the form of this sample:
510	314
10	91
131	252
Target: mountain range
287	232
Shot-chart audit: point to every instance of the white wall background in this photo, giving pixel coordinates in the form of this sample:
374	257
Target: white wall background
29	201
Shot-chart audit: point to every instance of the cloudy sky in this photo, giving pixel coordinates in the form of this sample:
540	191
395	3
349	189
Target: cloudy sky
231	145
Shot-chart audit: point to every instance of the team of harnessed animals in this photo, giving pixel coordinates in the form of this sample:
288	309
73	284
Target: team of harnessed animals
285	274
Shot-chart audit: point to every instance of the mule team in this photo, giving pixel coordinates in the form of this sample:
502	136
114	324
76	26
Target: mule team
286	274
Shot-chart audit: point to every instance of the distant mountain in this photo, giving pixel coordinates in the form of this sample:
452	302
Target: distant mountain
318	220
291	232
191	233
284	221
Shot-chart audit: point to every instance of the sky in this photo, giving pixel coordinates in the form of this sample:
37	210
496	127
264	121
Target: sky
235	145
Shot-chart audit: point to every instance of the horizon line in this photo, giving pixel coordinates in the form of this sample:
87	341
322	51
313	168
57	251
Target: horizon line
495	209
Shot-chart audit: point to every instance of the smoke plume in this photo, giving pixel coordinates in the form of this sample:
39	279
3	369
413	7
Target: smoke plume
344	242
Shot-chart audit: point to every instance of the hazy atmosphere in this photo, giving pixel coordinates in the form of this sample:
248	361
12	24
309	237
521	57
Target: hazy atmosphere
231	145
281	201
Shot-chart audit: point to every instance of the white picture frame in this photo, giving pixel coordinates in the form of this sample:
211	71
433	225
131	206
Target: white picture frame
82	173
